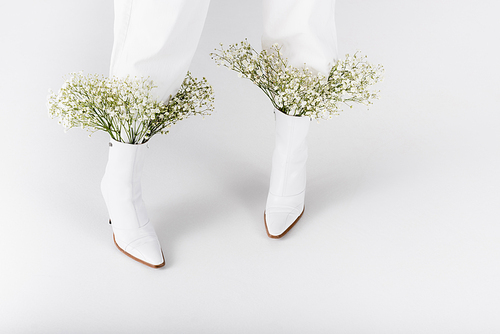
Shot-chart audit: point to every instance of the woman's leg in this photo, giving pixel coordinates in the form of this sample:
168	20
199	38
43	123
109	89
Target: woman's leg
305	29
155	39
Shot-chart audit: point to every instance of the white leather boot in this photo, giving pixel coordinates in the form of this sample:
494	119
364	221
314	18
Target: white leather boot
285	201
133	233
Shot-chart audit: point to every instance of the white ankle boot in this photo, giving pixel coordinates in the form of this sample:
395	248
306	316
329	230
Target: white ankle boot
285	201
133	233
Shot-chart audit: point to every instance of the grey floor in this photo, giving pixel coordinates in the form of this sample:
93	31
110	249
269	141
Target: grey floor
402	227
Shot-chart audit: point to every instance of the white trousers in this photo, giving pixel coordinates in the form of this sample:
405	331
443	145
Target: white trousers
158	38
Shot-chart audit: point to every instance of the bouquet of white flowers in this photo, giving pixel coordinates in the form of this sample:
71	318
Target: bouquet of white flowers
125	107
297	91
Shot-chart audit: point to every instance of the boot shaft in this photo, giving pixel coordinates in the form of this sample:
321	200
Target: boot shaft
121	185
125	161
288	173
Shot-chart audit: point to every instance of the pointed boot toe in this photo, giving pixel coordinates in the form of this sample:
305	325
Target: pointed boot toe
279	221
146	250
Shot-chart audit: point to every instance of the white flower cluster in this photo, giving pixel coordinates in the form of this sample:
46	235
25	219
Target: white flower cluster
297	91
124	107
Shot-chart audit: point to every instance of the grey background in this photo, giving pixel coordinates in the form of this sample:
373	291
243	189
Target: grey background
401	232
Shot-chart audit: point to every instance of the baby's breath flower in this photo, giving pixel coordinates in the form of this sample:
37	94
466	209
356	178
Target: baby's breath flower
297	91
124	107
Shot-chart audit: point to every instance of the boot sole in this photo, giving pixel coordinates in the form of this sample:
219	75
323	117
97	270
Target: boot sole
286	231
139	260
